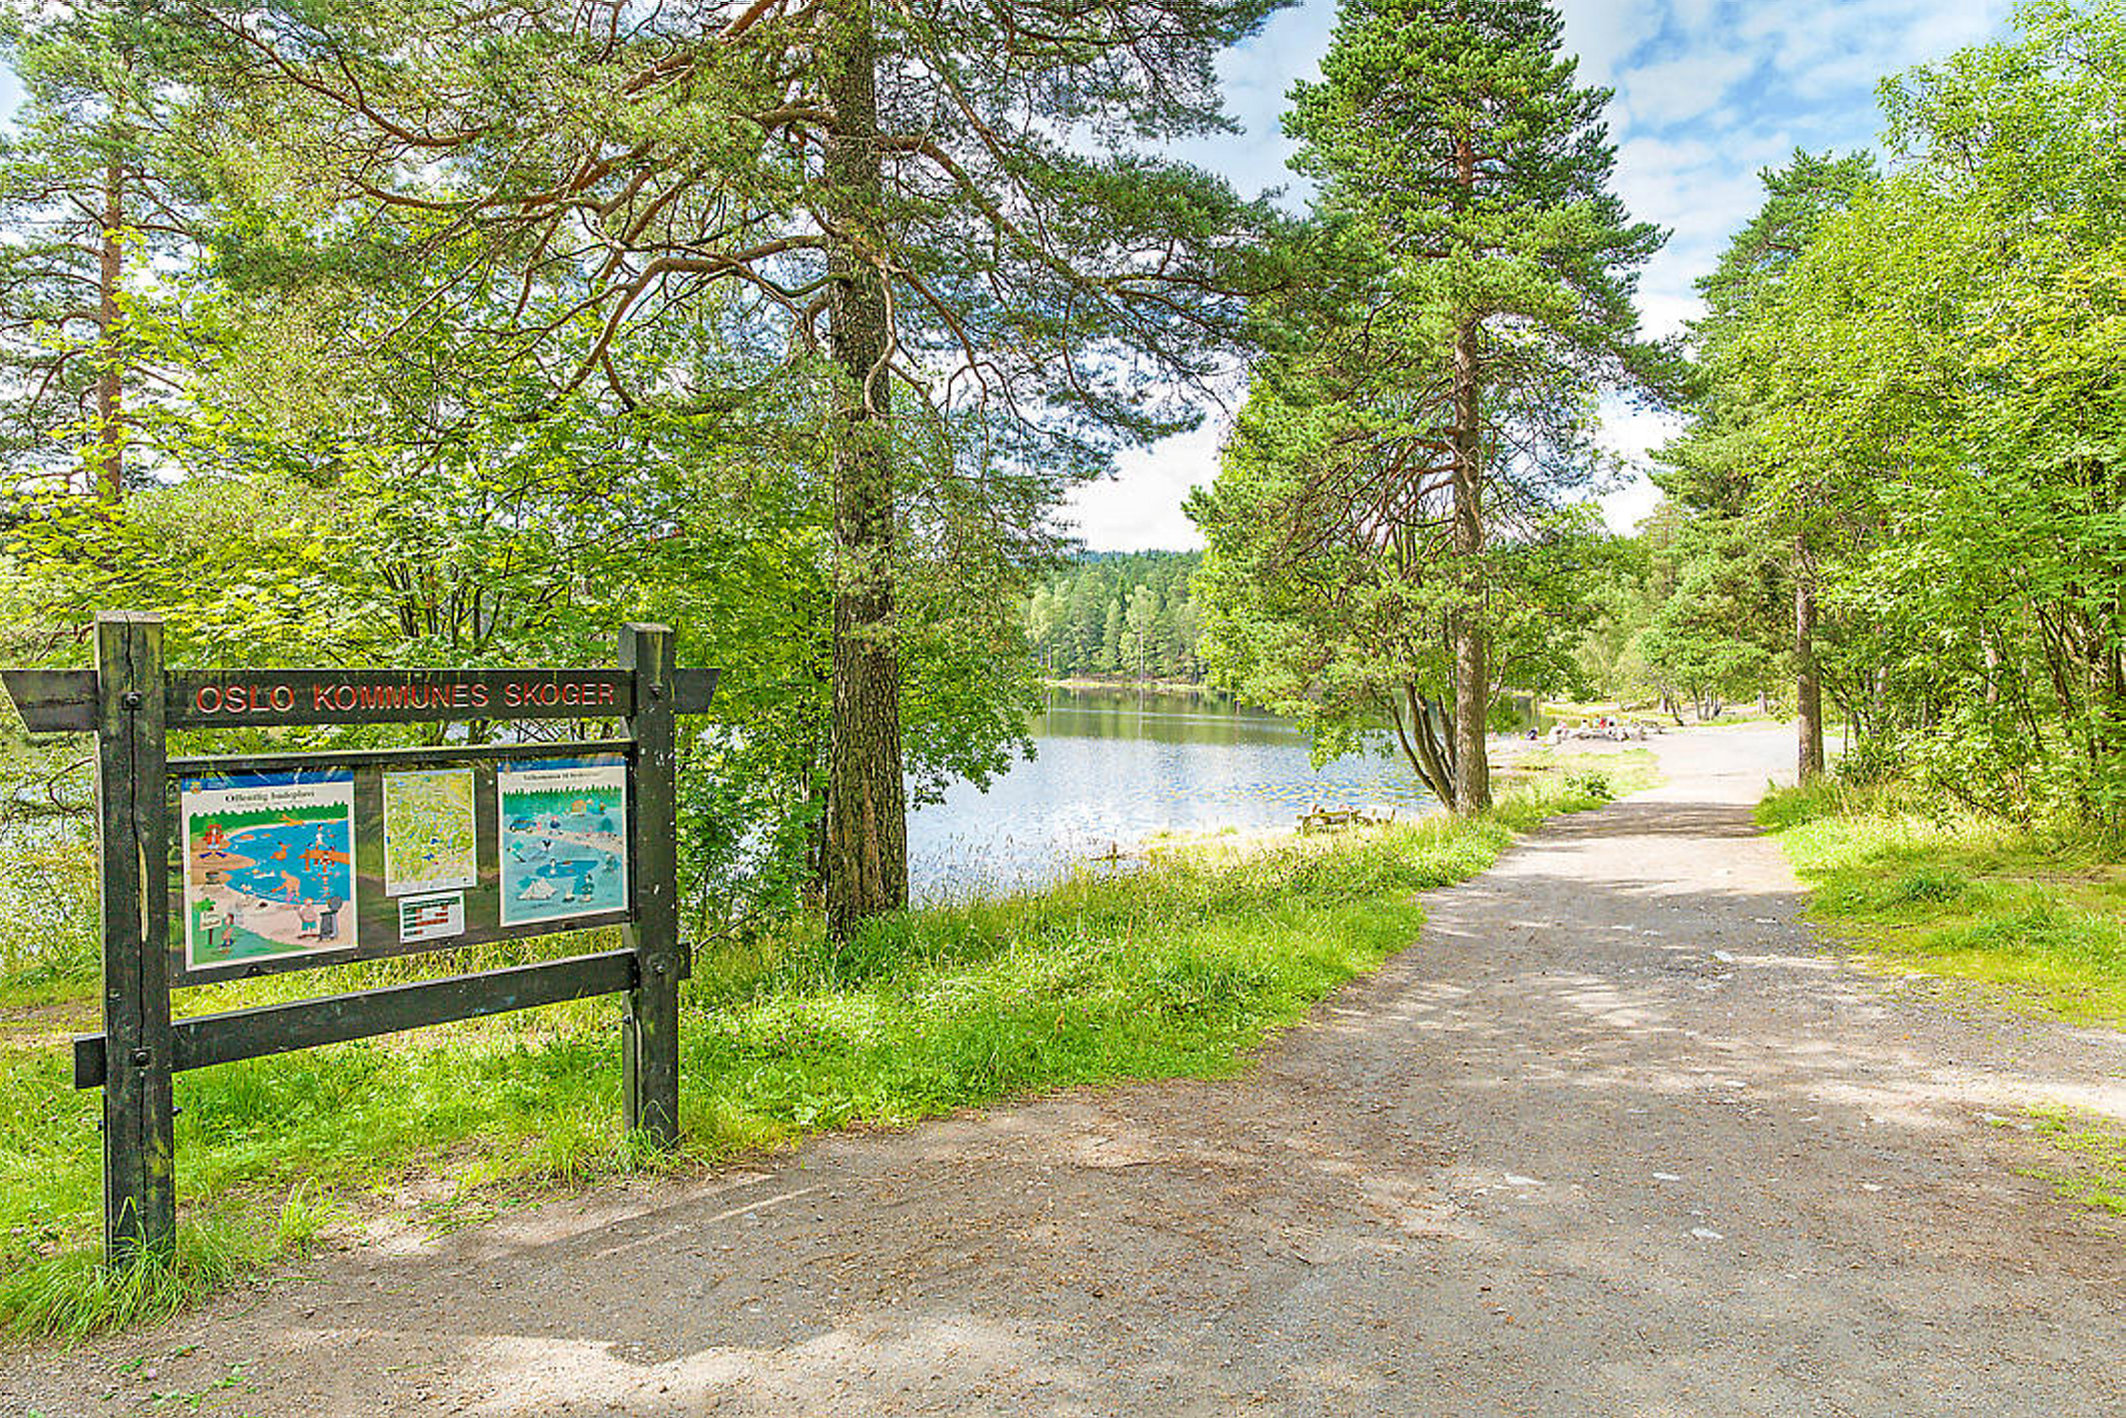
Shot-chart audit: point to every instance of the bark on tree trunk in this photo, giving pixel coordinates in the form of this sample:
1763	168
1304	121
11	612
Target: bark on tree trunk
1472	672
1421	746
108	471
1808	684
867	828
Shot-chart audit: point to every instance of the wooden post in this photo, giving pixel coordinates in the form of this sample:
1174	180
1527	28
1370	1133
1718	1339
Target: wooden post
650	1034
139	1191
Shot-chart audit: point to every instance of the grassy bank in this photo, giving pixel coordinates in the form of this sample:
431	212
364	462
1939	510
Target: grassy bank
2040	921
2036	923
1172	971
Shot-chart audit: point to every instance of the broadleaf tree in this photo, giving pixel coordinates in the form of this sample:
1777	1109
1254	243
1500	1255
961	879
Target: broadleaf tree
1714	468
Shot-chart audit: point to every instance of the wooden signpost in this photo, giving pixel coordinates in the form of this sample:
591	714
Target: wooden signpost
222	867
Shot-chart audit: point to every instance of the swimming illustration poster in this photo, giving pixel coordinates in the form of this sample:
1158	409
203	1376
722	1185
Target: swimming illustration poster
268	866
563	837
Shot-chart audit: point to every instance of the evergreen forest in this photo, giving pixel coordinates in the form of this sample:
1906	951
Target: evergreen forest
1124	614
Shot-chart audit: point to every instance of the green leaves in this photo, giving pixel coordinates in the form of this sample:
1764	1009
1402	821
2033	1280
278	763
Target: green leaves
1389	510
1916	377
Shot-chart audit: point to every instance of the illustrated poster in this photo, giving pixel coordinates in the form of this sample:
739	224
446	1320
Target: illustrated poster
564	838
268	866
431	842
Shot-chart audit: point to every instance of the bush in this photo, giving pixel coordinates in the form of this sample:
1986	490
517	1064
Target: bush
51	936
1869	763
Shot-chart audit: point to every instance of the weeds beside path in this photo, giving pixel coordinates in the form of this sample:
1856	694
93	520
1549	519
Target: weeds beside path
2010	917
2041	920
1614	1137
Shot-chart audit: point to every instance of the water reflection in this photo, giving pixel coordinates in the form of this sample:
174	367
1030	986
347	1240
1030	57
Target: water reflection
1115	767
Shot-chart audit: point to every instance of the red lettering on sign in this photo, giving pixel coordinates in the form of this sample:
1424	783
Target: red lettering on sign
605	694
199	700
479	696
283	697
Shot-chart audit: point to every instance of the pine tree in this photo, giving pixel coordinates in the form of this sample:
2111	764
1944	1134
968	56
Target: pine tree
1457	156
948	208
92	193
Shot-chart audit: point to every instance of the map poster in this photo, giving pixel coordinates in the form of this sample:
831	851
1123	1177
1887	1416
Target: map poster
431	840
268	866
563	827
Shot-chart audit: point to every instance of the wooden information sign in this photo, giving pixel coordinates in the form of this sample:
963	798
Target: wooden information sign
223	867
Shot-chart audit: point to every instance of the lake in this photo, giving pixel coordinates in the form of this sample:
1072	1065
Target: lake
1114	767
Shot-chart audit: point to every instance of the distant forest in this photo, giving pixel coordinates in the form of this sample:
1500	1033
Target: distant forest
1118	613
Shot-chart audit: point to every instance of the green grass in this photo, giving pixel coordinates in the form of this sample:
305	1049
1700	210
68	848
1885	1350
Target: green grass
1176	970
2040	922
2092	1153
2034	922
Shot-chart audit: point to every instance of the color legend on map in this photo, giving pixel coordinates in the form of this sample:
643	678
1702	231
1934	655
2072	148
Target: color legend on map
431	918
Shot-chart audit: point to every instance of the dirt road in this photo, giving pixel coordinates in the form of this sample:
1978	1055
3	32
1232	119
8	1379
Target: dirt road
1612	1138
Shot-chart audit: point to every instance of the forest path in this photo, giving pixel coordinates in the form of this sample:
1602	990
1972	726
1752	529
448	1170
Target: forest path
1560	1158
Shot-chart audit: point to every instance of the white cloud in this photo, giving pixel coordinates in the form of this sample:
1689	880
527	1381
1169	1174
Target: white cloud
1139	509
1688	87
1255	79
1604	33
1631	434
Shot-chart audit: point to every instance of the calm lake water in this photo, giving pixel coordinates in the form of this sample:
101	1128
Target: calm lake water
1115	766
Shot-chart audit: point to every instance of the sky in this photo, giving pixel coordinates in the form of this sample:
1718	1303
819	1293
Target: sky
1708	94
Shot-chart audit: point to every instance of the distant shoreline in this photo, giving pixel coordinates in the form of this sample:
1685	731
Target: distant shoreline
1146	686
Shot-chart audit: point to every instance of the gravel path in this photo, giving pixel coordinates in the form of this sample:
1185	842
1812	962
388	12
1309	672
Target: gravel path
1614	1138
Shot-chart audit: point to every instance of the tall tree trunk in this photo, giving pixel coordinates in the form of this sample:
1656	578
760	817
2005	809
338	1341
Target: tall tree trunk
1808	684
108	470
1472	670
867	827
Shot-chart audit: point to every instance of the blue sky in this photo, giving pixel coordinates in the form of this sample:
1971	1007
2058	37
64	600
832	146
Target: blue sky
1709	92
